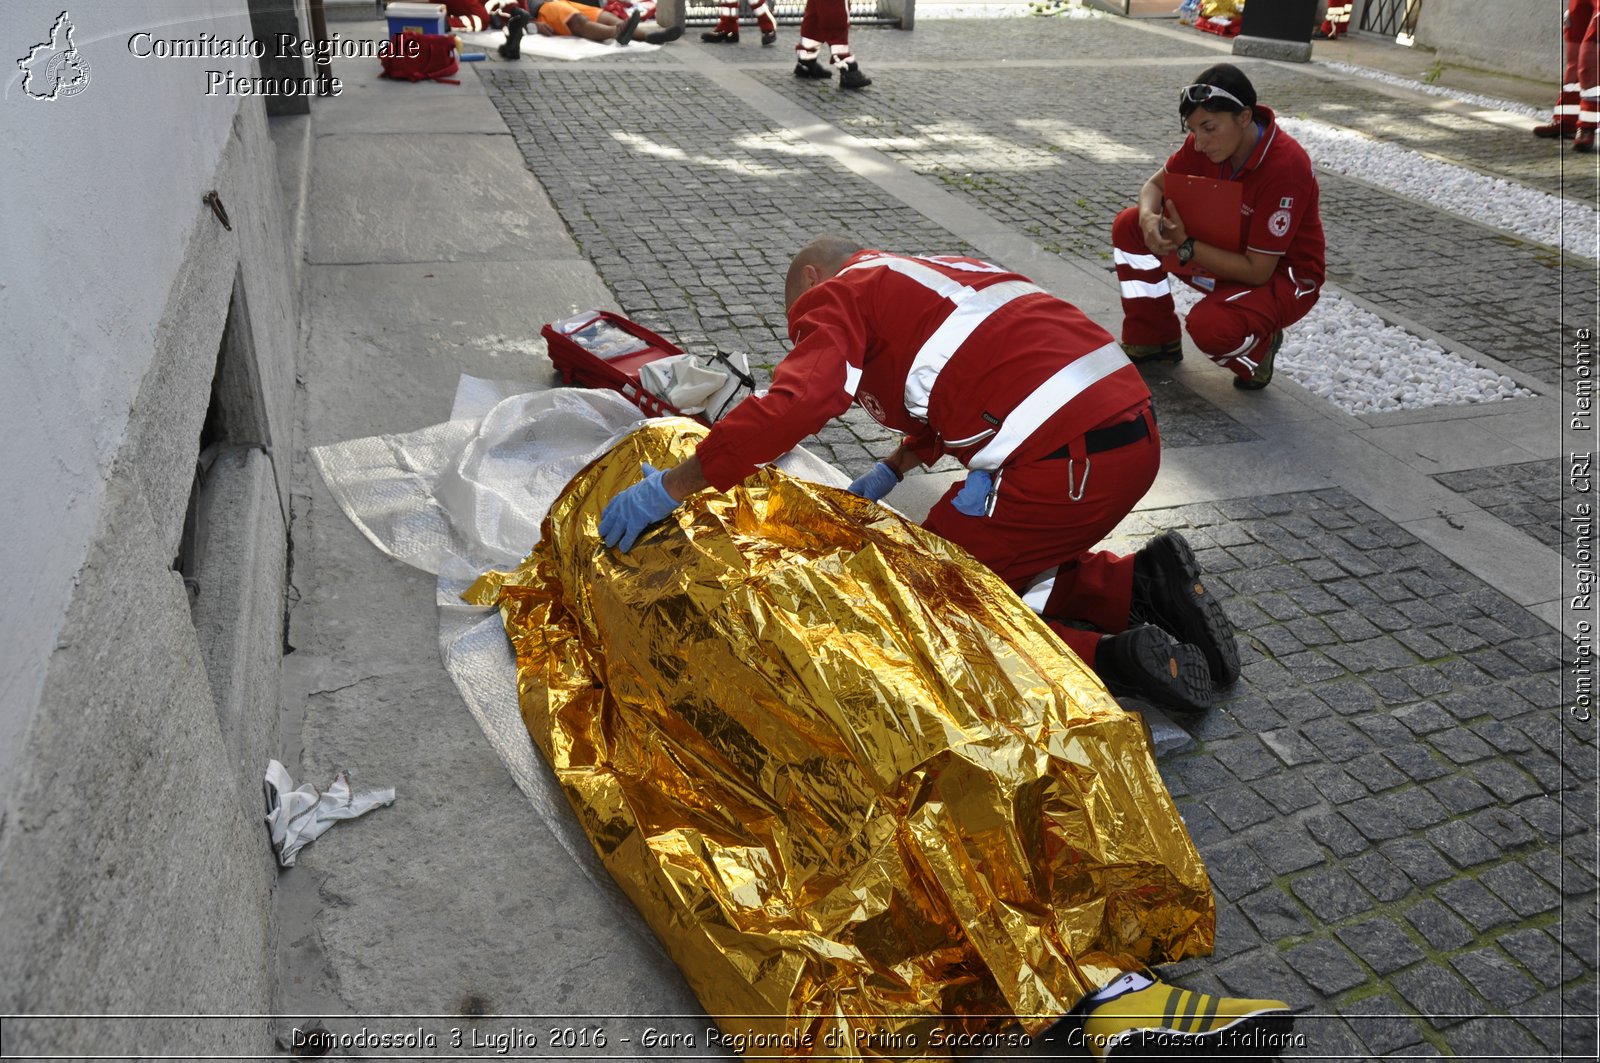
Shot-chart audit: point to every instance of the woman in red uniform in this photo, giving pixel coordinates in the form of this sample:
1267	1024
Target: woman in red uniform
1253	294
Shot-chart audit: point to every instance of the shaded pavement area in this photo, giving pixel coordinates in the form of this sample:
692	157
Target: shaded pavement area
1396	807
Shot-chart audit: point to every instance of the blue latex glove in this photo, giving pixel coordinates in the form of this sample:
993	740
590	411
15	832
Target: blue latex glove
627	516
878	481
973	498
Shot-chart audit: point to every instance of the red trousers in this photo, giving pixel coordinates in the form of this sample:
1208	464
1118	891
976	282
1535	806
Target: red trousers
826	20
1232	325
1047	515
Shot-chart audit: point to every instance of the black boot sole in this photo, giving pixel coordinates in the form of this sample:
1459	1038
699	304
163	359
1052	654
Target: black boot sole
1167	675
1197	617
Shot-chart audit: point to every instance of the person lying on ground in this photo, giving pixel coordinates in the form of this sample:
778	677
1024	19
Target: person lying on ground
566	18
1049	416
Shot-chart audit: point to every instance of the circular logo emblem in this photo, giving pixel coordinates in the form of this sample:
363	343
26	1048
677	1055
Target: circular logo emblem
1278	224
870	403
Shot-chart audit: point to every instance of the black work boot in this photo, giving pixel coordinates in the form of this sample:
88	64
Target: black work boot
512	49
1168	592
851	77
810	68
769	39
719	37
1144	662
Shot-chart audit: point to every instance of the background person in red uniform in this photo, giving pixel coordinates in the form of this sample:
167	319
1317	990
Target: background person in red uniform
1578	108
1037	401
827	22
727	30
1250	296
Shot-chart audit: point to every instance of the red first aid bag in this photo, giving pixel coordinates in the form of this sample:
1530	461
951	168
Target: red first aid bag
421	57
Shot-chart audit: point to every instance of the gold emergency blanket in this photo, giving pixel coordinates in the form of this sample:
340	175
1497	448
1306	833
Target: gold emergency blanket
870	803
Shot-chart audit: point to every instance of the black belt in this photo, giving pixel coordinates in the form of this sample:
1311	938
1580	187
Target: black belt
1102	439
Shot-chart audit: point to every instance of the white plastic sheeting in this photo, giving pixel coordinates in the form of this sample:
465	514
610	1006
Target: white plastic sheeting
298	815
459	498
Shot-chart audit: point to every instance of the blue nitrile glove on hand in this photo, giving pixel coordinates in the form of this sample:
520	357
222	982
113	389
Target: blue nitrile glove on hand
973	498
627	516
878	481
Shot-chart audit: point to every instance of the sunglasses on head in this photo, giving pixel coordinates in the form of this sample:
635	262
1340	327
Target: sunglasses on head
1198	94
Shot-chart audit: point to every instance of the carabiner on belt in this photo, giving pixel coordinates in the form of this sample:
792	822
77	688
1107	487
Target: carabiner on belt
1077	495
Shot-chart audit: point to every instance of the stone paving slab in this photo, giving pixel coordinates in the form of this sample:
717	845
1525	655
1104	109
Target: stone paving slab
1527	495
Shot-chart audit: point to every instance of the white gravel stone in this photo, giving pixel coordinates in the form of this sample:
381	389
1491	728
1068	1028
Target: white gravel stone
1363	365
1486	102
1493	201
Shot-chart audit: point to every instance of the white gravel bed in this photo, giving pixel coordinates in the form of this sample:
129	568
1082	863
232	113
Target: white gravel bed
1493	201
1362	364
1486	102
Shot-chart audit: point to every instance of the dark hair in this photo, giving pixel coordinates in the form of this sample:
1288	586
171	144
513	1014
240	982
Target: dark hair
1229	79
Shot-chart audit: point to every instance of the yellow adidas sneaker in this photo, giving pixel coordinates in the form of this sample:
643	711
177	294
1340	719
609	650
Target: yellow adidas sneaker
1159	1021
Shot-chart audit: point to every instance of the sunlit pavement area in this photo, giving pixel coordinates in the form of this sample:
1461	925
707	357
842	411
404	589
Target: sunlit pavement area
1396	807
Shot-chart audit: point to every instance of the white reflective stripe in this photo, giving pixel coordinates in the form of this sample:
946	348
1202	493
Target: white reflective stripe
1068	383
1123	258
926	276
1591	93
973	307
1038	592
1145	289
852	379
1248	363
967	442
1568	108
970	267
1572	86
1247	291
1250	341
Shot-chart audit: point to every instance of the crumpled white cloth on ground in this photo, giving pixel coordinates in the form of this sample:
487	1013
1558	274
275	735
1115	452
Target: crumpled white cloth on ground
298	815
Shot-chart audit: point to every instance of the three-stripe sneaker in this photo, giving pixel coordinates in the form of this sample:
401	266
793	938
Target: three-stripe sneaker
1160	1021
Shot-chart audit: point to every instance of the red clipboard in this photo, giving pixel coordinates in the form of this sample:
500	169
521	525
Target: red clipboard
1209	208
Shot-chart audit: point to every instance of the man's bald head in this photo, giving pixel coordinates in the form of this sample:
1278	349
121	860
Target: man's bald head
816	262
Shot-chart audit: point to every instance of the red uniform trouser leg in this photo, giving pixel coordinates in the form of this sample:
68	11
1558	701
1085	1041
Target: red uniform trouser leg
727	17
1147	313
1565	114
824	21
1047	516
1233	324
1589	76
764	20
1338	21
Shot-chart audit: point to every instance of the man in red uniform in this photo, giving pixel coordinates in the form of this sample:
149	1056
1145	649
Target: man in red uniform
1038	402
727	31
827	21
1578	108
1252	295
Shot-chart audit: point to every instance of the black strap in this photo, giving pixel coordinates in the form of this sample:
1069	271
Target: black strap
1103	439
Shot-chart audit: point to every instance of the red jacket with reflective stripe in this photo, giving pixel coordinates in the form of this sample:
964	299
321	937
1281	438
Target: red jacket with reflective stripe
991	346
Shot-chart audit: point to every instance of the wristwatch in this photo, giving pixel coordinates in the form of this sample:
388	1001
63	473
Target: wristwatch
1185	251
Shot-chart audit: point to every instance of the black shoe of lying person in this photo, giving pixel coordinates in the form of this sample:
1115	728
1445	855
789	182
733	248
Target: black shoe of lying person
718	37
515	28
663	36
1168	592
1144	662
626	31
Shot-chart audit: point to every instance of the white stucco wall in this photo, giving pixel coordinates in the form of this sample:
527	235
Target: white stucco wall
88	252
1521	37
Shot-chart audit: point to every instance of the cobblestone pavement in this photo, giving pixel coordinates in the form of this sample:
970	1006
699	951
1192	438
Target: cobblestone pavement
1396	810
